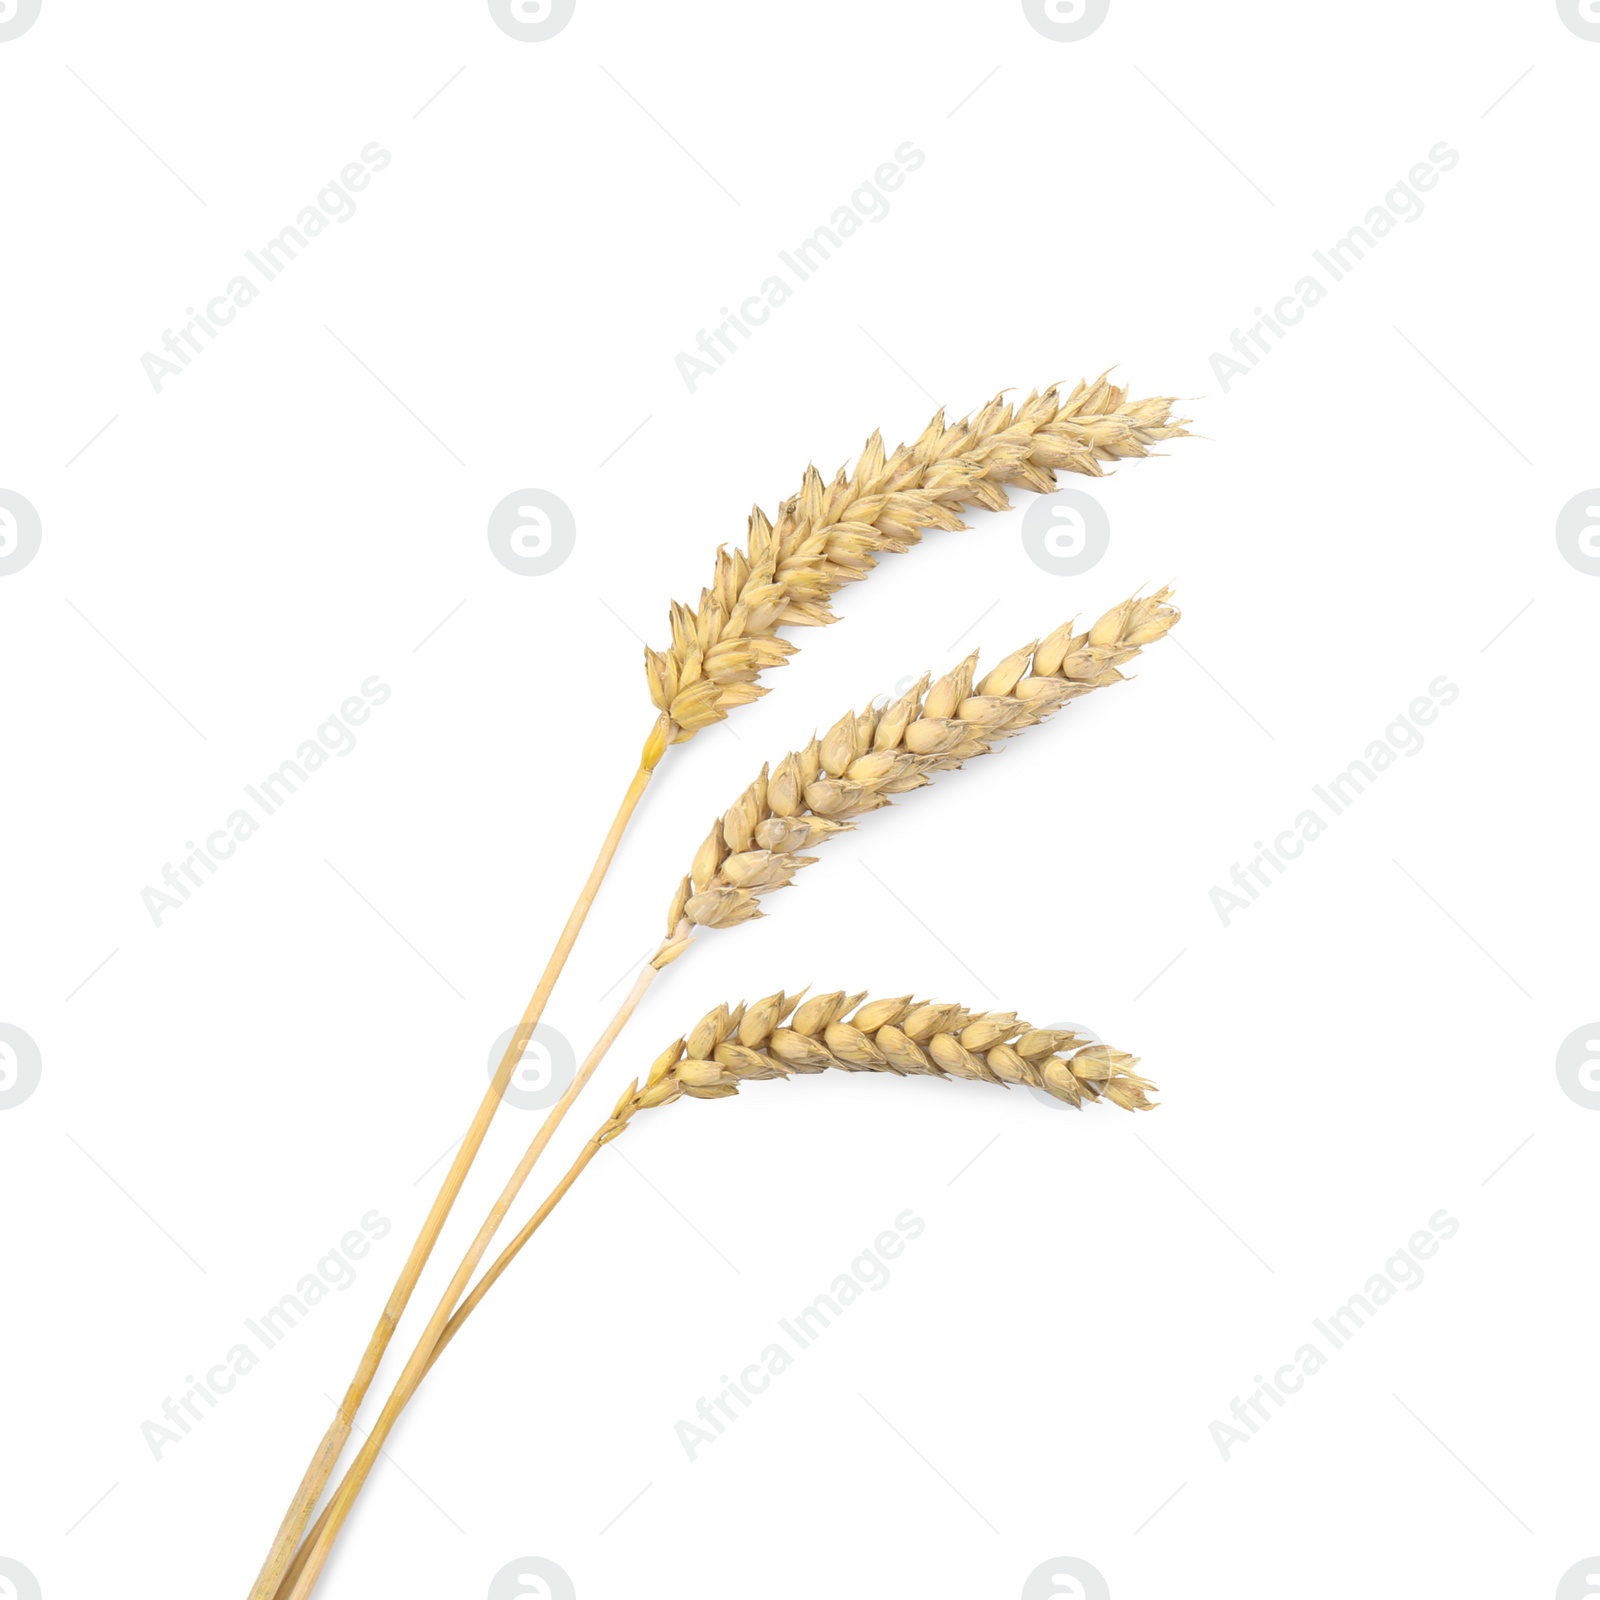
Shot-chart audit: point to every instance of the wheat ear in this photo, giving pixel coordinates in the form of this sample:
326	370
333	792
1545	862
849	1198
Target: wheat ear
780	1036
831	534
910	1038
864	760
825	536
870	756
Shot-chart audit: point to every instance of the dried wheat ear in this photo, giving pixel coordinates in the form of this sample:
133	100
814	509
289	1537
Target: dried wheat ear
830	534
869	756
908	1037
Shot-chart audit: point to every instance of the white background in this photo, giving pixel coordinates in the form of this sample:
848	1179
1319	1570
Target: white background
224	562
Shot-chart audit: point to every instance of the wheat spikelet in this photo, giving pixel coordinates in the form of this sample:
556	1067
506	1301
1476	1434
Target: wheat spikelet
868	757
728	1047
830	534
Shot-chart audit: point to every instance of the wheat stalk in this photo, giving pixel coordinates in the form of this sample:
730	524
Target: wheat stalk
273	1578
865	759
825	536
780	1036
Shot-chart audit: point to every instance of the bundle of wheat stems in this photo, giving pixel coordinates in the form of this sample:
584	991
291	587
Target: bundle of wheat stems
825	536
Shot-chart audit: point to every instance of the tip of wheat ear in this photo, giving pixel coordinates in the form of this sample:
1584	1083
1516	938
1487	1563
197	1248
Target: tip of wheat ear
781	1035
870	756
831	533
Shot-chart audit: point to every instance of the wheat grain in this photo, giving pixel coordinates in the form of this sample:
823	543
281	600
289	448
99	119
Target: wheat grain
870	756
830	534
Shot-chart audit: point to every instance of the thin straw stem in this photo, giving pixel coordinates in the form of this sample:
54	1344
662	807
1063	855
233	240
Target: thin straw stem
509	1254
467	1306
317	1548
327	1455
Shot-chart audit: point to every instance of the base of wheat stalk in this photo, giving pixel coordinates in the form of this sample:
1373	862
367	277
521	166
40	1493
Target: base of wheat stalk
315	1479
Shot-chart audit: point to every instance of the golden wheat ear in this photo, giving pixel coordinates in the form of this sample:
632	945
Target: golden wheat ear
870	756
729	1047
831	534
